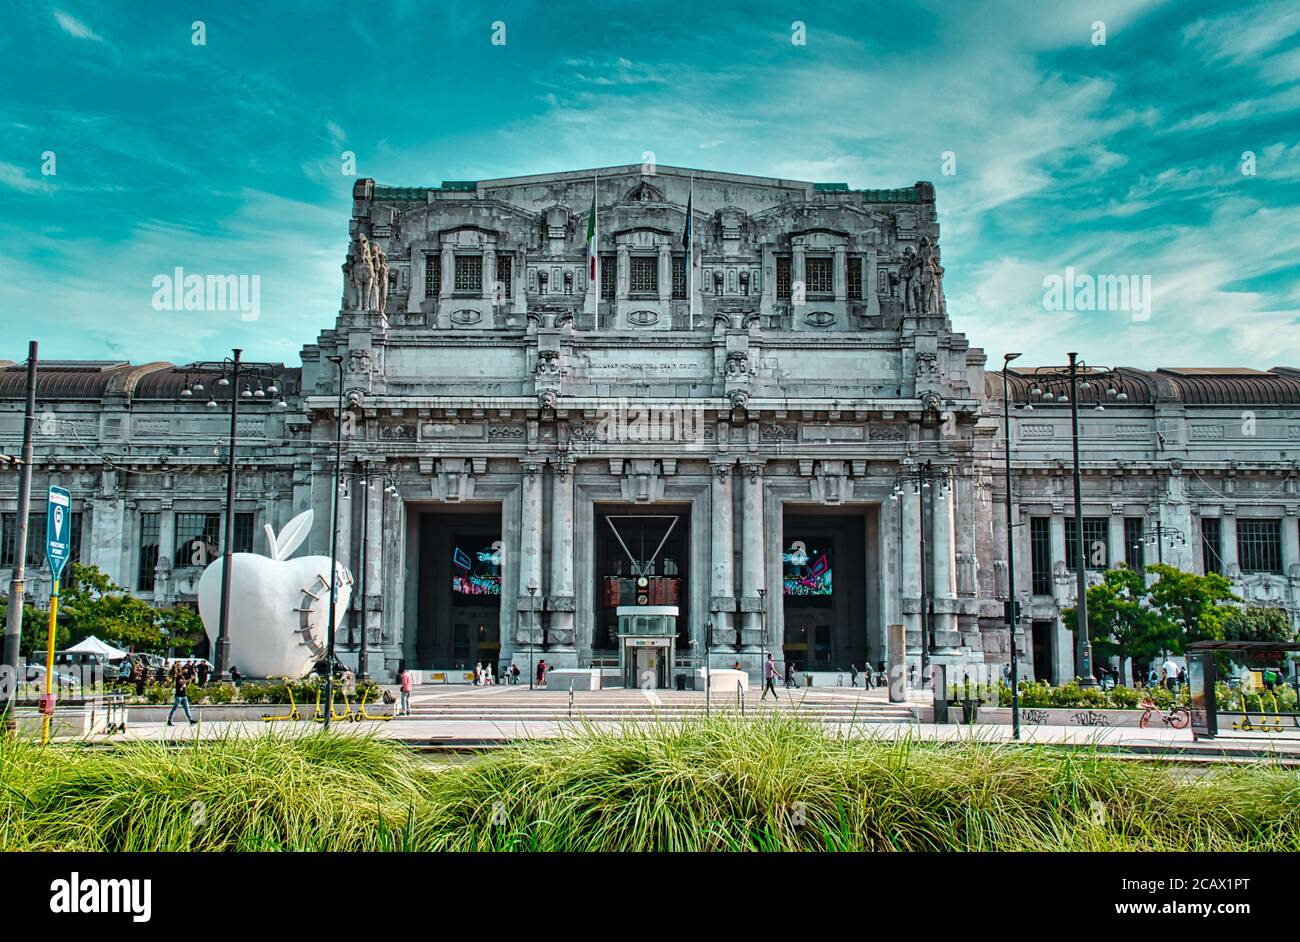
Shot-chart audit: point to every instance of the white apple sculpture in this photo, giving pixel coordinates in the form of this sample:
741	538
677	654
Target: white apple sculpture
279	607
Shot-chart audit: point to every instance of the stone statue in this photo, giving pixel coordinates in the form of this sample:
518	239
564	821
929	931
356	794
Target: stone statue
379	291
907	273
361	269
927	279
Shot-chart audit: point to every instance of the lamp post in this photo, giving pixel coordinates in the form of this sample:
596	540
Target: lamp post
236	368
920	477
1045	379
18	585
1011	612
334	548
1158	534
532	627
762	623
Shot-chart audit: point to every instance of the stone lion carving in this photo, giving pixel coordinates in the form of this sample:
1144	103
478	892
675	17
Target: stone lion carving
279	607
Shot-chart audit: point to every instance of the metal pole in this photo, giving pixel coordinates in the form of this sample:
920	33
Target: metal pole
47	706
1084	665
18	586
1011	552
532	626
334	551
1160	544
221	667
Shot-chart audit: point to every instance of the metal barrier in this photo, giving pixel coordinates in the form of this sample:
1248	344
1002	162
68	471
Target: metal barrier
570	697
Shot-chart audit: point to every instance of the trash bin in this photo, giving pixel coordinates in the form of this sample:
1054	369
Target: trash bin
681	681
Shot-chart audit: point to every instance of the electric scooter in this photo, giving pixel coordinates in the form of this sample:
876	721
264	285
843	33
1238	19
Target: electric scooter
347	713
292	715
363	715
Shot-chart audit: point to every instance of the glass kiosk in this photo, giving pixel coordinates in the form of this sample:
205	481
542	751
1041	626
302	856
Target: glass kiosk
647	645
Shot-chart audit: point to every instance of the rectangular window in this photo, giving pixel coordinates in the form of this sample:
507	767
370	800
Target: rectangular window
783	279
469	273
198	538
818	276
679	277
36	539
148	556
432	276
1096	545
608	276
243	533
1134	542
1259	545
855	279
645	274
1212	544
1040	554
505	273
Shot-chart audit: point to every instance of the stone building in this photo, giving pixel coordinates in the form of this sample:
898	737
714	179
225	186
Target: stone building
703	420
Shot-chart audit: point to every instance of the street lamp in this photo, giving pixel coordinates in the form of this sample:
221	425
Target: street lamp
762	623
235	367
532	627
1047	379
920	477
1158	534
1011	613
334	548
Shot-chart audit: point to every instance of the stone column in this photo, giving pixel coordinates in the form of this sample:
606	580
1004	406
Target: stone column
797	270
1228	537
723	602
753	547
1118	548
530	553
1290	543
910	540
371	613
943	549
561	601
489	271
447	274
840	276
665	273
623	284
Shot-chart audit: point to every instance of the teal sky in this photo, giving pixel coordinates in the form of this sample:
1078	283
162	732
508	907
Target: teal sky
1123	158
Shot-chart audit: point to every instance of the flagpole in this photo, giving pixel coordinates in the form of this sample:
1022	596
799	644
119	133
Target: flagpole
690	252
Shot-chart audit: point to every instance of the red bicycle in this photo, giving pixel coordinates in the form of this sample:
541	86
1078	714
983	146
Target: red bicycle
1178	717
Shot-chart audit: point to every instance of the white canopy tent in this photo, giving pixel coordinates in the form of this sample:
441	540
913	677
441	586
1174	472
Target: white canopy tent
93	645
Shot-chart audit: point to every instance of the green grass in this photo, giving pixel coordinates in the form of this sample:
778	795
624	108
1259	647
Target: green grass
721	784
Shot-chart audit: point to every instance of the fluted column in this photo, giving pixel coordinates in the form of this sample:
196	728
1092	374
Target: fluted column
623	284
447	275
798	271
489	271
910	525
723	602
530	554
562	597
1119	550
753	548
1228	543
943	547
840	273
665	273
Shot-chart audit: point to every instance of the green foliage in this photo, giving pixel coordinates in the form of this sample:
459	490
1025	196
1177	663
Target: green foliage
1258	623
1041	695
181	627
94	605
716	785
1133	615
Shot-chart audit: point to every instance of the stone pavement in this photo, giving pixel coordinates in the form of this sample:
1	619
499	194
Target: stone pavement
468	717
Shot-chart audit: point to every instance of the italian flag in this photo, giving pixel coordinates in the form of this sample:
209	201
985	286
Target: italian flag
591	237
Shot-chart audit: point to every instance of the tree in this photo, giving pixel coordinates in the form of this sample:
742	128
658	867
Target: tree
1258	623
182	628
1120	623
1192	605
95	605
36	630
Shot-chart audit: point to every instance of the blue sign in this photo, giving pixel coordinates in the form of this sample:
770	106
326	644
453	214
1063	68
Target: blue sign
58	529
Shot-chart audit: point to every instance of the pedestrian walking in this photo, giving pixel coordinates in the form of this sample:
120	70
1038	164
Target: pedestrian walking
769	678
478	673
236	677
405	682
514	673
180	695
138	676
853	675
203	673
541	673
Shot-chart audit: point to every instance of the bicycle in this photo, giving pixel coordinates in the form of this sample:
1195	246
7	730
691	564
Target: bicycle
1178	717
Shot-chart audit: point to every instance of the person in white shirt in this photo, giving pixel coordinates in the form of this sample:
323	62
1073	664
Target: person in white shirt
1171	672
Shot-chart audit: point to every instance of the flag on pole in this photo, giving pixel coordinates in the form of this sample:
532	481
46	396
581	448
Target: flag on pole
591	235
688	237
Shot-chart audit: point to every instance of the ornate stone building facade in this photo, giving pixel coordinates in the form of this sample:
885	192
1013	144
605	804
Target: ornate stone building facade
710	426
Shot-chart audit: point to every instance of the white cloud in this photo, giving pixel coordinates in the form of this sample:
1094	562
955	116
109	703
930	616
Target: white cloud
74	27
